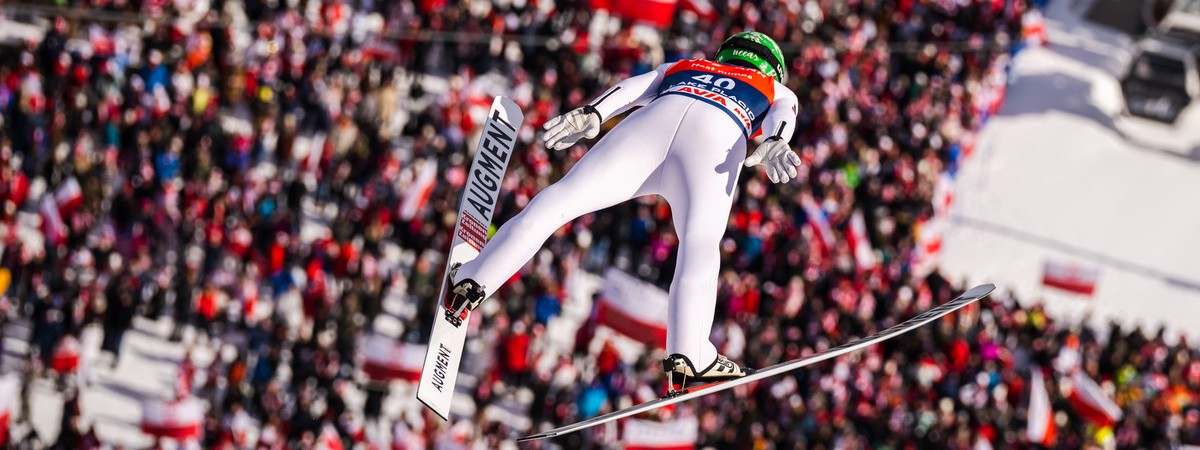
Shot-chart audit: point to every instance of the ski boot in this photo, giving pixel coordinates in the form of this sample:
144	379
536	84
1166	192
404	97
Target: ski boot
680	371
463	297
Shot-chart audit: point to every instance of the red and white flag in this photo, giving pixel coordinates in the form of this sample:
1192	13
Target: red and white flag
1040	427
52	223
1070	277
677	434
68	196
818	222
860	243
634	308
1091	402
386	359
175	419
9	390
418	193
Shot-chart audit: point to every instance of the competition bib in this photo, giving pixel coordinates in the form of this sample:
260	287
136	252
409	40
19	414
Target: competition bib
744	94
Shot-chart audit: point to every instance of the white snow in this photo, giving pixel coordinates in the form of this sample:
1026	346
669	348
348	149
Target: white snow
1061	174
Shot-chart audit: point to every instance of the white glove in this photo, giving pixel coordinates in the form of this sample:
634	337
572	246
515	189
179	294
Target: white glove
565	130
778	157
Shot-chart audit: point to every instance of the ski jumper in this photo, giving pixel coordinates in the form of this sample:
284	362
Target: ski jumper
686	144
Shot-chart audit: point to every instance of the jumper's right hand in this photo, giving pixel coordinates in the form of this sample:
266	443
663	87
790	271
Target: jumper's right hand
565	130
778	158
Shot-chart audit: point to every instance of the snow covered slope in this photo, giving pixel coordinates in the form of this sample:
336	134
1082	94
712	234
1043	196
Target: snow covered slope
1060	174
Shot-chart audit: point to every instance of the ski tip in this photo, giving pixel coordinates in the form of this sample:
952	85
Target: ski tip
979	291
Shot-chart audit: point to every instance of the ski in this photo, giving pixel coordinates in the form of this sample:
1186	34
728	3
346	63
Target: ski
439	373
971	296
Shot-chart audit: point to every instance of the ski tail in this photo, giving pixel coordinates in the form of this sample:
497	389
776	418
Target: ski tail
439	375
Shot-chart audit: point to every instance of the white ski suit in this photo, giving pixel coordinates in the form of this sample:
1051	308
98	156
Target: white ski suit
686	144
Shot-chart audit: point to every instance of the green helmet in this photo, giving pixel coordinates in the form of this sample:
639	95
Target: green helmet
755	50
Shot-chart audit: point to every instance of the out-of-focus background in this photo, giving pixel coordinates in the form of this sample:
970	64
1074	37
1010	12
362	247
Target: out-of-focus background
223	224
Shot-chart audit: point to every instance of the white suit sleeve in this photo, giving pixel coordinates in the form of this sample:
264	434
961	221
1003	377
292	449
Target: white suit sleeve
781	118
630	92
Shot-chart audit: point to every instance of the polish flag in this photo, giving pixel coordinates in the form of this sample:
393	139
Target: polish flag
860	242
1091	402
9	390
418	194
677	434
52	222
68	196
634	308
1070	277
818	222
176	419
1040	427
388	360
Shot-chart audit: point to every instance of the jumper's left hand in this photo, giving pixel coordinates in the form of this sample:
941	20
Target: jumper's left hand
778	157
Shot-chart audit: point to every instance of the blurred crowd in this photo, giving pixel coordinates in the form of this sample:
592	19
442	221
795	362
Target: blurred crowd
252	171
